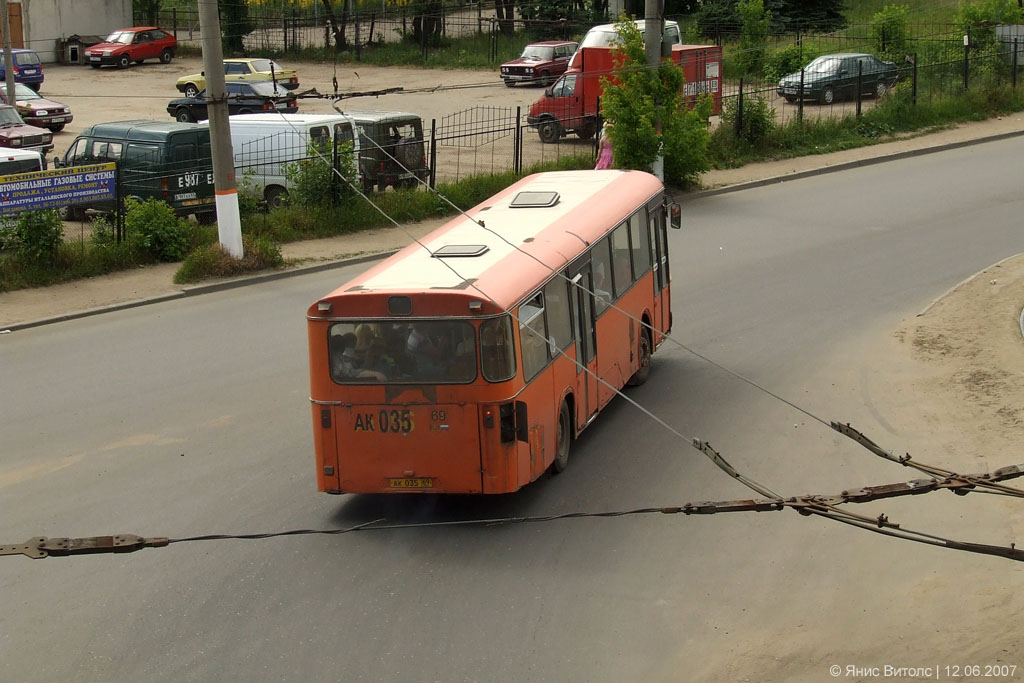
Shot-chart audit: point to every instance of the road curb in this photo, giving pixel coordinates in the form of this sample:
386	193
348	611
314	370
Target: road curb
305	270
846	165
200	289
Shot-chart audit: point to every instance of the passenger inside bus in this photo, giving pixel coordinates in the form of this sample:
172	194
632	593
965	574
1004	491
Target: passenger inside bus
345	361
427	353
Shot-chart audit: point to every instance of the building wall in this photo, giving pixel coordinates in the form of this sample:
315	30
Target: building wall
47	21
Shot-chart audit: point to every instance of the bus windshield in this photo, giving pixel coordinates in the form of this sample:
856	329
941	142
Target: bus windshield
406	352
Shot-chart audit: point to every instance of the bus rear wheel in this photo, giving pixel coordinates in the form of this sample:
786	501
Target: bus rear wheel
563	439
644	371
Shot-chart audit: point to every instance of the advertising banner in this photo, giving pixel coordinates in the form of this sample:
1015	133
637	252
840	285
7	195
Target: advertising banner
60	187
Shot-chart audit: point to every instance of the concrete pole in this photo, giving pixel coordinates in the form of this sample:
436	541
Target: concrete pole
8	57
229	223
653	28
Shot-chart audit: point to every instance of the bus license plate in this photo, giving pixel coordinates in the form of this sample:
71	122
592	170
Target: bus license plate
412	483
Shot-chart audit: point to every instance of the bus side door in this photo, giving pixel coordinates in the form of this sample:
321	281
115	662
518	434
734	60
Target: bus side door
659	250
586	343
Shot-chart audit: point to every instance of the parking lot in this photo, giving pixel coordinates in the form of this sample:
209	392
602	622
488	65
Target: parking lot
143	91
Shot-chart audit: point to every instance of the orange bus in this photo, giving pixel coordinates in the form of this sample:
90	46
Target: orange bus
469	362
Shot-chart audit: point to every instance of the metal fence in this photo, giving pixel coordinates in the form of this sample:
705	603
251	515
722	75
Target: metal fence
951	69
277	29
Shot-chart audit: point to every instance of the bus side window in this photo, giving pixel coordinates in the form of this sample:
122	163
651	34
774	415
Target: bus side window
556	299
641	243
533	336
496	358
602	268
620	260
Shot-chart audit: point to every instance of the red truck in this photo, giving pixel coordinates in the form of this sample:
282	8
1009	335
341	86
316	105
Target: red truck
570	105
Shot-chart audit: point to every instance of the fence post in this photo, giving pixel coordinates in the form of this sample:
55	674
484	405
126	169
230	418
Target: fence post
174	21
433	153
1013	77
883	37
739	111
517	145
913	89
334	169
860	85
359	48
284	31
479	18
967	49
800	100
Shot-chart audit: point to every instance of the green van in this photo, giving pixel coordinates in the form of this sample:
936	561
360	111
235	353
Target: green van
164	160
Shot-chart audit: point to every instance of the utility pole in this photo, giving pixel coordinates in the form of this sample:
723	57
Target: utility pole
229	224
8	57
653	29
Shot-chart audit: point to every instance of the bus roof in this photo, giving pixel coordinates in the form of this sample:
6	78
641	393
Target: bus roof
518	246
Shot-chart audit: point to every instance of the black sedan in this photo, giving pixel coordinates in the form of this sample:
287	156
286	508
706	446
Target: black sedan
831	77
243	98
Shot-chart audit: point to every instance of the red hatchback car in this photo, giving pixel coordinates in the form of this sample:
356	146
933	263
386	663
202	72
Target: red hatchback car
540	63
127	45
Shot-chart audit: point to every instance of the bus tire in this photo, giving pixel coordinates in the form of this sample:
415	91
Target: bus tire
563	440
644	371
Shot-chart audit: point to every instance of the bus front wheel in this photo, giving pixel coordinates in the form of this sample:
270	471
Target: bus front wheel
563	440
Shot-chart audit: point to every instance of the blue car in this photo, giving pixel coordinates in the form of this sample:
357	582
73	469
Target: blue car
27	68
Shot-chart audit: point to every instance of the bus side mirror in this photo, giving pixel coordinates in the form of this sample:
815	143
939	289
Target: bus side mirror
675	216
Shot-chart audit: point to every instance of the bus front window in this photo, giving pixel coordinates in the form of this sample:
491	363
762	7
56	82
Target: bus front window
407	352
496	357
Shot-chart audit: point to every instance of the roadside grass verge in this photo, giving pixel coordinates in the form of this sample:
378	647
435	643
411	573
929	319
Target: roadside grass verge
894	117
262	233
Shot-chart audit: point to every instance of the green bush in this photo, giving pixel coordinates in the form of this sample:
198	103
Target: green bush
153	225
212	261
315	183
889	32
758	118
786	61
38	235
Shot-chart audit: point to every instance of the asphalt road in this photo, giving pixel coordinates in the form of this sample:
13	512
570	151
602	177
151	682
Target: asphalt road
191	417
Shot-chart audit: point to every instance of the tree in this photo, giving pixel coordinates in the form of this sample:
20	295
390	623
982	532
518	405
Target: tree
755	24
641	98
234	25
427	23
505	11
149	9
337	28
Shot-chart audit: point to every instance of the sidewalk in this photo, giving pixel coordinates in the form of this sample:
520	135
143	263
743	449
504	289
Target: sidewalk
32	307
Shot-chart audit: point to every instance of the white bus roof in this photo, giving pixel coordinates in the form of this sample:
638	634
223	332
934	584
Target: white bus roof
517	247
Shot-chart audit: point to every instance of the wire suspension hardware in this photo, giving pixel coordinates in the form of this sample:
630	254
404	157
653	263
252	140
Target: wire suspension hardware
826	506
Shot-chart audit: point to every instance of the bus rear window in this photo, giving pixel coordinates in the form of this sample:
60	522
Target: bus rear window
407	352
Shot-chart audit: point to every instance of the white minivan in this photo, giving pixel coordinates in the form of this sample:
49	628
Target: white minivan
605	34
264	145
21	161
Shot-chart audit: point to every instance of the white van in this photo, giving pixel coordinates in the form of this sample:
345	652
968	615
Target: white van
264	144
21	161
605	34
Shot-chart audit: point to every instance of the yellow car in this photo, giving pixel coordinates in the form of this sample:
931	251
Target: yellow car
242	69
